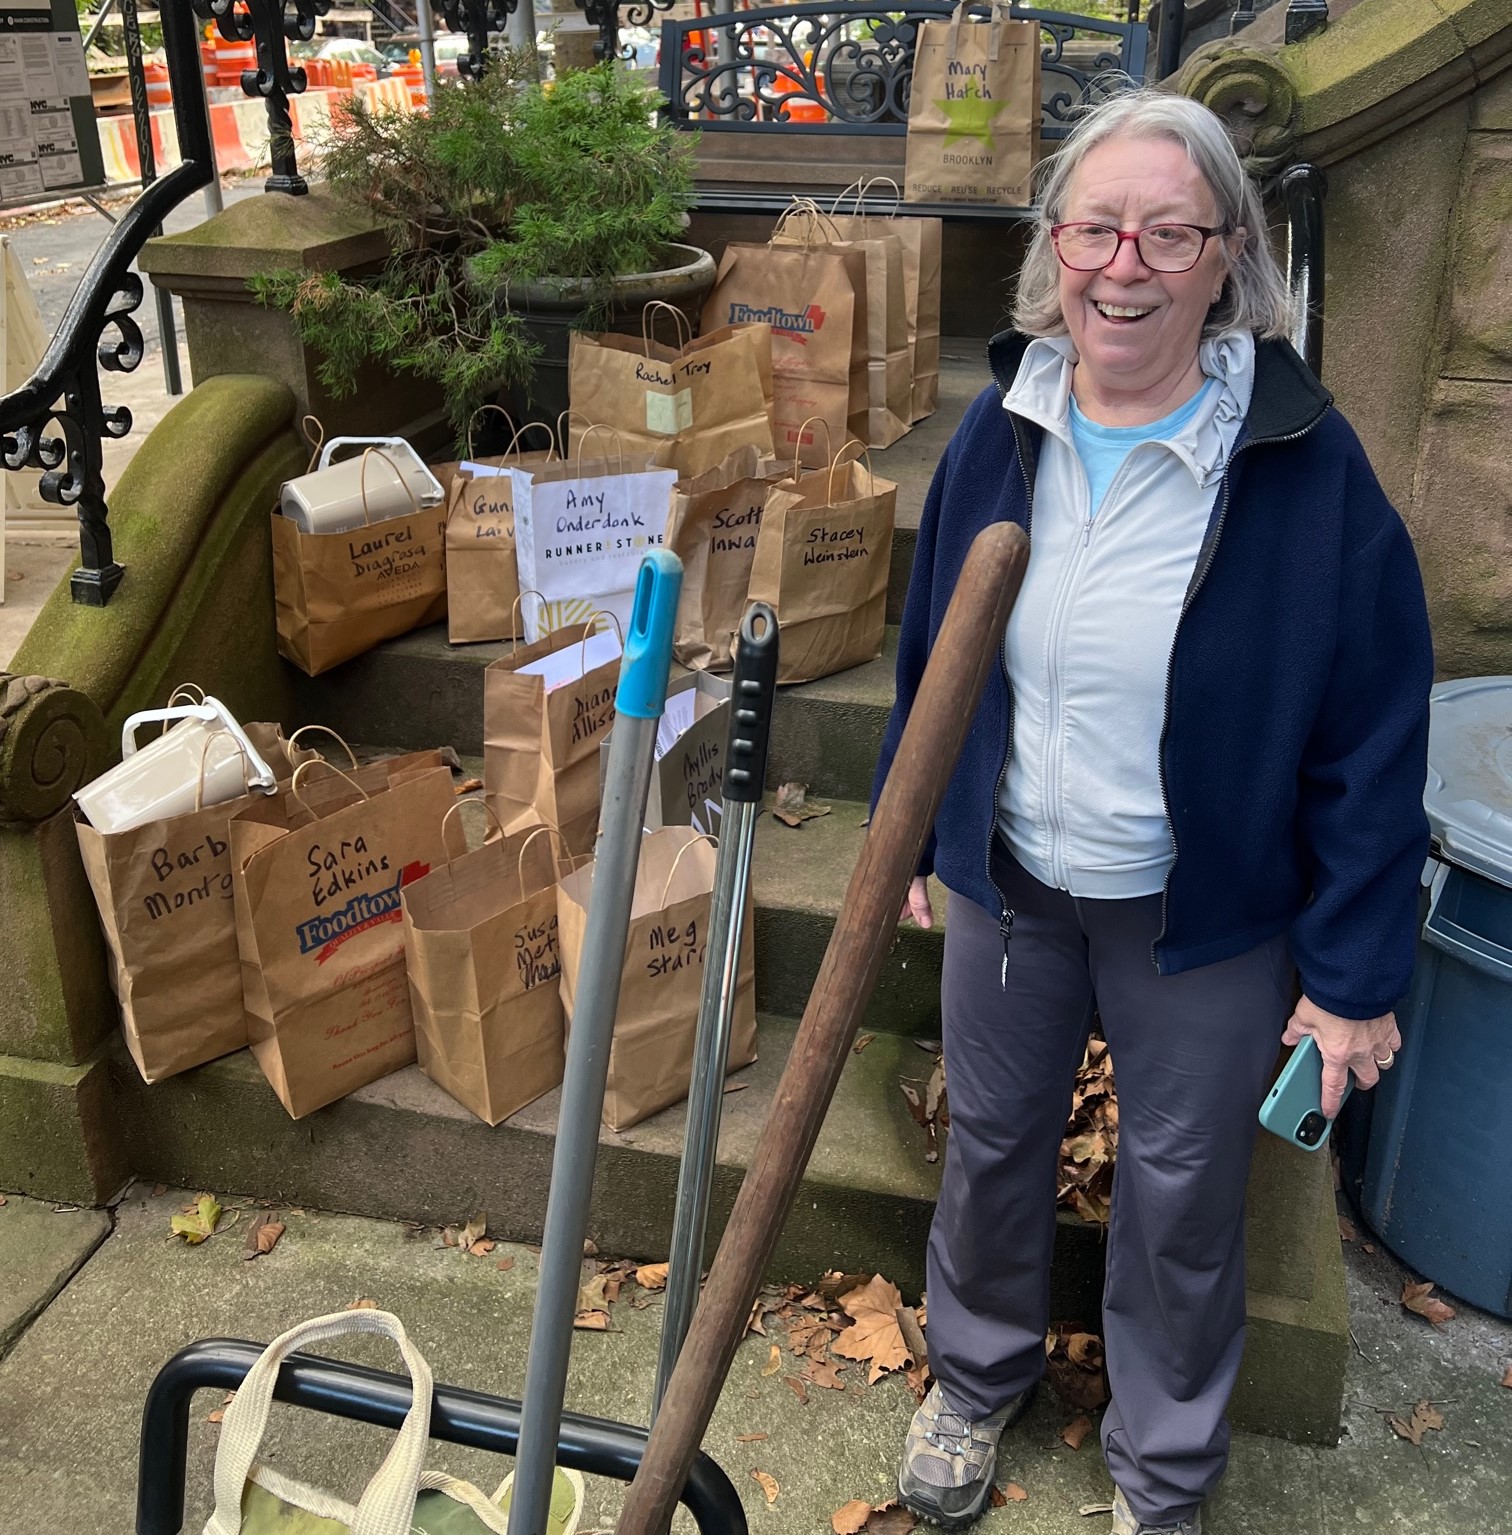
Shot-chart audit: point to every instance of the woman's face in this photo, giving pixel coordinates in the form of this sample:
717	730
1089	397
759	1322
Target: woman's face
1131	184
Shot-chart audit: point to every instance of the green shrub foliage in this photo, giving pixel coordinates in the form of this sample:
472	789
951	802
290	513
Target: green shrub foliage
504	181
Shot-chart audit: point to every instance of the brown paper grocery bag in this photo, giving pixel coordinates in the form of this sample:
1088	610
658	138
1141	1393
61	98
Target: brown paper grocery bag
482	572
317	870
712	529
336	595
651	1056
974	110
814	300
480	946
163	892
686	407
822	563
889	384
540	748
920	239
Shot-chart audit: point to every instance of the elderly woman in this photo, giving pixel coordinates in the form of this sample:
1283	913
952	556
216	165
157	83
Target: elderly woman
1200	765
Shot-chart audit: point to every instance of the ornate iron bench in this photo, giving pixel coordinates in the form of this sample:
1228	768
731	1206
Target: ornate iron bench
806	98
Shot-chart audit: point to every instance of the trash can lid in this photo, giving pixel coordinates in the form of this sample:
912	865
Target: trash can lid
1469	793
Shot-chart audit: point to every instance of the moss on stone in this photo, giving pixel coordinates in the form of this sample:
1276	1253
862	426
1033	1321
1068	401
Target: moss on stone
58	1134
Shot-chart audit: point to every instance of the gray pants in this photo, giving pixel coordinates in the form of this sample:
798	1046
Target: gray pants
1192	1056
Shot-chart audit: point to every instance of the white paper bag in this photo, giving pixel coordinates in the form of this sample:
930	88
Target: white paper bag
581	528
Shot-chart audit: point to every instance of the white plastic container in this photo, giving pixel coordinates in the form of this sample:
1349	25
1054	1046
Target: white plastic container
329	499
203	759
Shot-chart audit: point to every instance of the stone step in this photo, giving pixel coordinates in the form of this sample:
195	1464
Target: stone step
417	691
403	1148
799	876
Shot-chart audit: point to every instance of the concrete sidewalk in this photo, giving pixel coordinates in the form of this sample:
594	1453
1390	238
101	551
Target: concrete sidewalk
71	1388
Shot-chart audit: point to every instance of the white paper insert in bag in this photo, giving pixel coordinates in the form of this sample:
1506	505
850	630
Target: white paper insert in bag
574	662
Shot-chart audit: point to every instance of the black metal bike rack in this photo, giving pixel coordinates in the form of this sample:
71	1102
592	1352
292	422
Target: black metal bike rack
593	1445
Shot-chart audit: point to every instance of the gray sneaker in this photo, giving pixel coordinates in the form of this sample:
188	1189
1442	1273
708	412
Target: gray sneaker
948	1461
1124	1522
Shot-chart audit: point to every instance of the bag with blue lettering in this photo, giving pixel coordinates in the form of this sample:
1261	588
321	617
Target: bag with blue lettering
317	870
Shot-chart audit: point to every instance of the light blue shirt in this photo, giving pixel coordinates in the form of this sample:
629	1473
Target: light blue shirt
1102	449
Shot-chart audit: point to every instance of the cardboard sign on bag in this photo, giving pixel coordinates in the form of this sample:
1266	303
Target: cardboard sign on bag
651	1055
685	407
712	529
541	742
822	563
687	776
317	871
814	298
480	940
581	527
974	111
163	892
336	595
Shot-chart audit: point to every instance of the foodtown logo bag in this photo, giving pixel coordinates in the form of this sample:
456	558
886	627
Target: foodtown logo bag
974	111
318	871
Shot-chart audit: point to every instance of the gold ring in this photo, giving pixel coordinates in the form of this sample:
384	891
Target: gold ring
1390	1057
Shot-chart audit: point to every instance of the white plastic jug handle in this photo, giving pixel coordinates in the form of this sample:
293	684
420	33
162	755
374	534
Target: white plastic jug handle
165	716
398	444
261	777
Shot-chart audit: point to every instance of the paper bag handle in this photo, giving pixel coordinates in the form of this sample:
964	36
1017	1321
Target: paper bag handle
816	217
341	741
680	322
835	464
589	631
619	443
700	836
316	439
829	443
321	762
514	612
487	810
514	442
368	453
994	36
545	826
472	420
861	187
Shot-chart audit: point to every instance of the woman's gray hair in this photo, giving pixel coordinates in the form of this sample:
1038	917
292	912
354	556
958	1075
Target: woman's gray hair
1255	297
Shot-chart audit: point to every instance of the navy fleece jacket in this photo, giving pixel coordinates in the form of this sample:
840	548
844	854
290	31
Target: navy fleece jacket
1295	748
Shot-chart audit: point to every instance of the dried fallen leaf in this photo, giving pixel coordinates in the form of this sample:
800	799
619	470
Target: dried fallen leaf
793	807
159	1189
3	1200
874	1334
995	1498
1347	1229
1014	1493
591	1321
262	1237
768	1484
1428	1415
469	786
199	1220
797	1387
590	1248
1091	1510
850	1518
475	1228
750	1438
1076	1431
824	1372
362	1304
1506	1379
735	1087
1425	1418
482	1247
504	1265
652	1276
773	1364
1368	1247
862	1041
1075	1368
891	1519
217	1416
1419	1298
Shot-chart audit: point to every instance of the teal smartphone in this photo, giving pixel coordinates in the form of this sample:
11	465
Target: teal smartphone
1294	1107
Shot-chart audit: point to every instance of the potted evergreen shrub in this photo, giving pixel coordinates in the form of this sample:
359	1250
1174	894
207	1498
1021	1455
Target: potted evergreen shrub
514	210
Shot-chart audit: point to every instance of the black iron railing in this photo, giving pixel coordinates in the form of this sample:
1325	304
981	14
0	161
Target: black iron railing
477	18
594	1445
744	71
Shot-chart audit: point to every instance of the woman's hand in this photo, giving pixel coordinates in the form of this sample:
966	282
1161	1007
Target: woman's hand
1365	1046
916	903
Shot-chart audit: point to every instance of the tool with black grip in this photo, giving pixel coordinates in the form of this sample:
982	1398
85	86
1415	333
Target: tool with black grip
751	697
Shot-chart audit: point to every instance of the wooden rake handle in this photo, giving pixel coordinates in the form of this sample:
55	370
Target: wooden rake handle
967	647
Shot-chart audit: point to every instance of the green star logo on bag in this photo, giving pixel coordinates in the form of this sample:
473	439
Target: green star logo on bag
970	116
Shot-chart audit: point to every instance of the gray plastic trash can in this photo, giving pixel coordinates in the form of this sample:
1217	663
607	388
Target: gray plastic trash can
1435	1183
